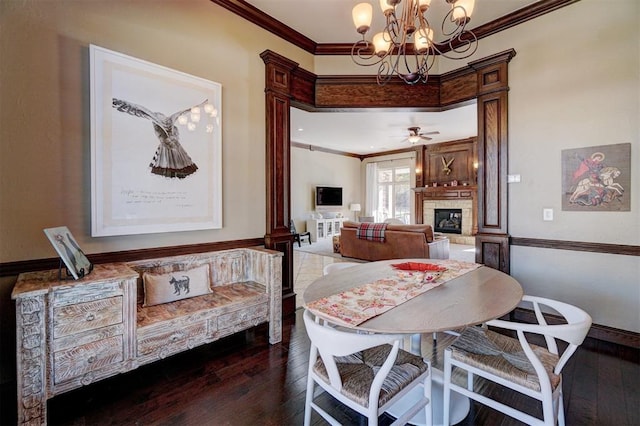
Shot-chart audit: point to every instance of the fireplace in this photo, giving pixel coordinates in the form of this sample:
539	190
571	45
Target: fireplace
448	221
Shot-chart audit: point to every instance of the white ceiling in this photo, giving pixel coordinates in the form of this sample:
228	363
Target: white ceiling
369	132
329	21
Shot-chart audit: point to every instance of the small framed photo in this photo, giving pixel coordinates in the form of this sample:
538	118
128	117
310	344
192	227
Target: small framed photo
74	259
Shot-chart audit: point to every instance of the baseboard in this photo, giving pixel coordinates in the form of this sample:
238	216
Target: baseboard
597	331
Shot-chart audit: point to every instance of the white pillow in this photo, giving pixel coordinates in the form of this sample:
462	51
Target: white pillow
178	285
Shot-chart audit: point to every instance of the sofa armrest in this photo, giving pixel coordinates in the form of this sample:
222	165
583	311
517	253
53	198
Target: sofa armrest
439	248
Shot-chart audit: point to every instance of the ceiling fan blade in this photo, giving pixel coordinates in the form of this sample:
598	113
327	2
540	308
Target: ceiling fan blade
430	133
425	138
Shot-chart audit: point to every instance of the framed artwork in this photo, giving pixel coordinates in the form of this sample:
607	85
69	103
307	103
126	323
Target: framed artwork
597	178
155	148
69	251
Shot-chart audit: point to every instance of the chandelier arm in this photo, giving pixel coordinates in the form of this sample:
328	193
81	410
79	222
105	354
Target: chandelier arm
363	54
413	65
393	28
385	70
462	43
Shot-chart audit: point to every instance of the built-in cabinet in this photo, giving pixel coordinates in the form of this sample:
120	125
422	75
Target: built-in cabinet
322	229
448	162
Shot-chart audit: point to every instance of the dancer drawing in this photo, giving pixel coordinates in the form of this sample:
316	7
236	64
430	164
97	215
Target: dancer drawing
170	160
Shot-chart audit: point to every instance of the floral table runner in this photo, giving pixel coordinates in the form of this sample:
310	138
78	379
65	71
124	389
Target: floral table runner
359	304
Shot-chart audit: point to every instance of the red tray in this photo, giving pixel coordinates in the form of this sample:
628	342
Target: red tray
418	266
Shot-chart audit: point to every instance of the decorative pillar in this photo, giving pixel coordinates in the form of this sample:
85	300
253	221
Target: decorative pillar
278	86
492	239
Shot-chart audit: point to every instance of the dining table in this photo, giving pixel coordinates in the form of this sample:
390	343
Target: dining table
376	297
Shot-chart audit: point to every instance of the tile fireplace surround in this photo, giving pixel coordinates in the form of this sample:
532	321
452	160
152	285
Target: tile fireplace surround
428	211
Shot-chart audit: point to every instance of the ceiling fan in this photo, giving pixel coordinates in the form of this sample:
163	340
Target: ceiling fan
416	137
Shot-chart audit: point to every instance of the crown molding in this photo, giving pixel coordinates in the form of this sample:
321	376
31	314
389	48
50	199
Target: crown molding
309	147
261	19
256	16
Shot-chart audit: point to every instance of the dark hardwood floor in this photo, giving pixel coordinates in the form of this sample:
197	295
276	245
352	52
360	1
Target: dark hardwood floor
242	380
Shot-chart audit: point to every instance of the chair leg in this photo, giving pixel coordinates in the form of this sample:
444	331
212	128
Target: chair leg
372	418
446	389
560	409
427	393
307	402
547	411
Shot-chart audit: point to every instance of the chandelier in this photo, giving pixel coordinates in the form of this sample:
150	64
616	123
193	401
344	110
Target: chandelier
405	47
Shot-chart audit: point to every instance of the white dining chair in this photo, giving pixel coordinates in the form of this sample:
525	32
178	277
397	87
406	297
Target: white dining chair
332	267
366	372
516	362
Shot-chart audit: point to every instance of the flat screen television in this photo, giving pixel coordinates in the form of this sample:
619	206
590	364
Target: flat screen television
328	196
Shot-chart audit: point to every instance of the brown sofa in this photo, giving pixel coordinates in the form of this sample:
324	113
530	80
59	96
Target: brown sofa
401	242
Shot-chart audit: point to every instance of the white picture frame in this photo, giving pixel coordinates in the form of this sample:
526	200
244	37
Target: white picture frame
156	162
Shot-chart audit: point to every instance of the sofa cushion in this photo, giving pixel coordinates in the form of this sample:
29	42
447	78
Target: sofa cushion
426	229
172	286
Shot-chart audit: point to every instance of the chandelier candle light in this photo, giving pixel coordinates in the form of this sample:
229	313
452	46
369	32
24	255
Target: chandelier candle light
406	47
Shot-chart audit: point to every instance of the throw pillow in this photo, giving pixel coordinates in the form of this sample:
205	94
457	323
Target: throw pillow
178	285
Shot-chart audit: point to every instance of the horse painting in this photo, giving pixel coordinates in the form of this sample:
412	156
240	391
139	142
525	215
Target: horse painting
593	192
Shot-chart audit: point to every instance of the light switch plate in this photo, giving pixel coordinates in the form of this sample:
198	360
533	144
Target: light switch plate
547	214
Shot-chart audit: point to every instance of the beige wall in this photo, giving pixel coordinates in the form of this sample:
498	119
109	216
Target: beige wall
574	82
583	56
45	122
312	168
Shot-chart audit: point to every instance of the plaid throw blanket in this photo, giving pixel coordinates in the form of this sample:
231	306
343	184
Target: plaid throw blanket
371	231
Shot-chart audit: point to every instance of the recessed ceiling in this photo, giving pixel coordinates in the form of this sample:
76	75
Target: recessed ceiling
371	132
329	21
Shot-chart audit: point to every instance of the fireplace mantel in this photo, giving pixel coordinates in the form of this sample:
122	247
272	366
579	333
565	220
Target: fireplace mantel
459	192
460	196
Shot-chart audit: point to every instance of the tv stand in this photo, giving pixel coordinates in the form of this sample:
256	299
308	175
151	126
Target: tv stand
324	229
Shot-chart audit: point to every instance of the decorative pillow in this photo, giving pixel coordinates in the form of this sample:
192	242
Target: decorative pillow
178	285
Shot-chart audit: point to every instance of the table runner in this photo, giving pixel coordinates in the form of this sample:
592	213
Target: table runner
359	304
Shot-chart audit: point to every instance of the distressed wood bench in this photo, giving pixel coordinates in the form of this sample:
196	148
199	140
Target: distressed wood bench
73	333
247	291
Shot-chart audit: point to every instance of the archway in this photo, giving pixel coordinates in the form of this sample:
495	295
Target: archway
485	80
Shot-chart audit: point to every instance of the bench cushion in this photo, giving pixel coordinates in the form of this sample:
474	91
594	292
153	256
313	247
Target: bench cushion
223	299
169	287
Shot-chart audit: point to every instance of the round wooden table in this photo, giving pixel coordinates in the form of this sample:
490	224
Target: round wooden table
470	299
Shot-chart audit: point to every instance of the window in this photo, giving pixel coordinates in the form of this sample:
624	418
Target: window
393	188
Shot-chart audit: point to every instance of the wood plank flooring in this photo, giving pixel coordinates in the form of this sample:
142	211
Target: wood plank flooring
242	380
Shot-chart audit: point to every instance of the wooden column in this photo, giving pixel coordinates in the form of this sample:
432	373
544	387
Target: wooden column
278	86
492	239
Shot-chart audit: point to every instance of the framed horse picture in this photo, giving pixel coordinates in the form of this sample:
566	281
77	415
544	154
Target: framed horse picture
597	178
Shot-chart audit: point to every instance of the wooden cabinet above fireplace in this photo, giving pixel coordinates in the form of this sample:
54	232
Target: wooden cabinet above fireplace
450	161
